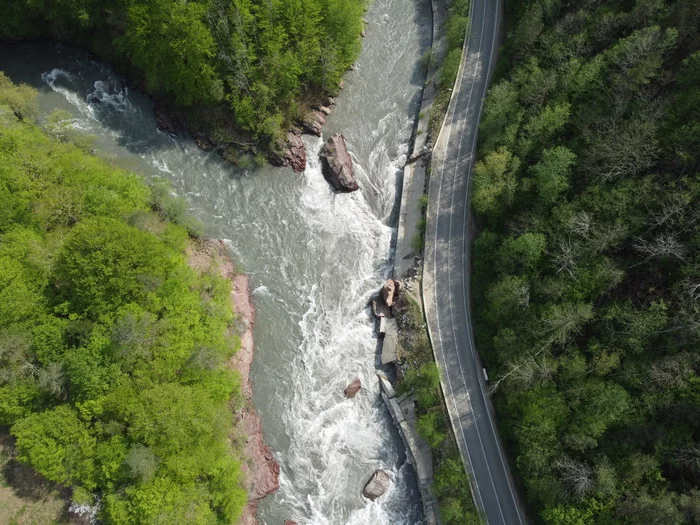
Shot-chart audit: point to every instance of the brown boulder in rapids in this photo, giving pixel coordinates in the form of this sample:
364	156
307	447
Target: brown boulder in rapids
353	388
336	164
378	484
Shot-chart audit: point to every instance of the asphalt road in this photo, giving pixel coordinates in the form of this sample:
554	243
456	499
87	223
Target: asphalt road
446	275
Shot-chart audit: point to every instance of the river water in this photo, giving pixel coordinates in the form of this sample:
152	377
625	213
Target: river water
314	257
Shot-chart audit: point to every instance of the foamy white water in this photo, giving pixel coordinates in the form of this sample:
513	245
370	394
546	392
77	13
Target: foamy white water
314	257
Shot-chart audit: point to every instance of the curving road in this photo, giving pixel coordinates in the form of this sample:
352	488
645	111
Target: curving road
446	275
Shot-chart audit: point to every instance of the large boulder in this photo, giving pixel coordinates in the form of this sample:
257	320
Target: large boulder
336	164
390	292
378	484
353	388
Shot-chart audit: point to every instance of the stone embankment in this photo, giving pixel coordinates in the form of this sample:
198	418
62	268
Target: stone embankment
262	470
418	451
415	172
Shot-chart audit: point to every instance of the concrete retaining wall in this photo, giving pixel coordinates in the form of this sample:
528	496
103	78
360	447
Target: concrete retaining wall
418	452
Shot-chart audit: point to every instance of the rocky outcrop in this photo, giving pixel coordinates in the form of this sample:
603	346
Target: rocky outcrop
390	292
203	141
353	388
378	484
314	121
296	154
262	471
292	154
379	309
336	164
290	522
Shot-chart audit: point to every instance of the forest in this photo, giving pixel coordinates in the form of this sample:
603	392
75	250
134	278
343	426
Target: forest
241	70
587	261
113	377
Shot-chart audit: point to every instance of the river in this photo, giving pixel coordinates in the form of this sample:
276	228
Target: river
314	257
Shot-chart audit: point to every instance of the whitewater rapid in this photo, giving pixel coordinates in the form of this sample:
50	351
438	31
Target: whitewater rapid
314	257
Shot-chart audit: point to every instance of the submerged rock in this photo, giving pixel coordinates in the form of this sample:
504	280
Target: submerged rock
378	484
336	164
353	388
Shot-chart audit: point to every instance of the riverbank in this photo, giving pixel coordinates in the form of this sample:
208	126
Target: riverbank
213	129
261	470
238	78
417	374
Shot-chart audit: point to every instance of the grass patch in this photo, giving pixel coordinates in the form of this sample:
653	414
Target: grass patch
418	240
25	497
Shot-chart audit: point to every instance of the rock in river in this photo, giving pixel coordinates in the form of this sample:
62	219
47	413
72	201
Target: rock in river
353	388
336	164
390	292
377	485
